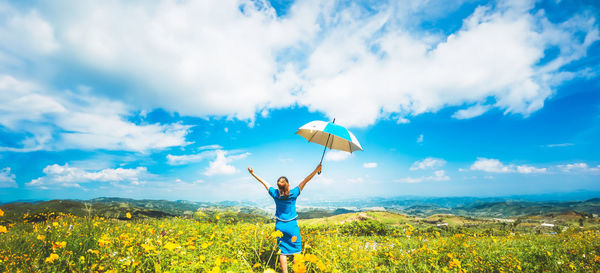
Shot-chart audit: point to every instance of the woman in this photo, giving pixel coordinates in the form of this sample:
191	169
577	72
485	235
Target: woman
285	213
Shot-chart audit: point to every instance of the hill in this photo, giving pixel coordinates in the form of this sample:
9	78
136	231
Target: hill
118	208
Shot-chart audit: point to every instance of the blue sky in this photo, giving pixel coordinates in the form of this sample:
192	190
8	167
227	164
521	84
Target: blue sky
174	99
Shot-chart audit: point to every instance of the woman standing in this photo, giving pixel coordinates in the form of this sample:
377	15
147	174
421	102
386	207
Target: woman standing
285	213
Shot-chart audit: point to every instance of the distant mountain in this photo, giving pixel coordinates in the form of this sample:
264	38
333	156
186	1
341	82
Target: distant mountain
114	207
511	208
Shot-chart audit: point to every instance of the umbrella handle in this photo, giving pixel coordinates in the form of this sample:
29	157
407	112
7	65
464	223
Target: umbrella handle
327	142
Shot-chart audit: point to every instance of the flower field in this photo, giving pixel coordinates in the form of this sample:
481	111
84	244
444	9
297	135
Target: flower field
220	243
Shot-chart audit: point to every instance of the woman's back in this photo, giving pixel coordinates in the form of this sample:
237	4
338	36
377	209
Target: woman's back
285	207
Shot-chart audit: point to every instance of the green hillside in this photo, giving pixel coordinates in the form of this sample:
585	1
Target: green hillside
117	208
379	216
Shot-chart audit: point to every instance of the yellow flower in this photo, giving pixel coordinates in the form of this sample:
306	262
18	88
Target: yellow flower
548	252
171	246
55	224
3	229
1	213
51	258
82	259
294	238
56	245
148	247
103	241
322	266
310	258
454	263
128	215
41	237
299	266
276	234
270	271
257	265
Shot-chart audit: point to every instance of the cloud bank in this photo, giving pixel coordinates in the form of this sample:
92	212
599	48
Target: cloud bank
67	176
238	59
427	163
495	166
77	120
7	179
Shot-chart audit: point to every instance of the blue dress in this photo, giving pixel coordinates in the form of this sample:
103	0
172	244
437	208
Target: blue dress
285	213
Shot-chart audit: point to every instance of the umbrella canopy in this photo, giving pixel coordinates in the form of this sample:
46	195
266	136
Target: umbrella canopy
330	135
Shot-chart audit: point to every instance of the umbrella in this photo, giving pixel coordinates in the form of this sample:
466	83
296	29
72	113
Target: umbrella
330	135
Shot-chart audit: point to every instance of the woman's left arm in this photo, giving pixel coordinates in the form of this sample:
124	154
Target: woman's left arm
309	177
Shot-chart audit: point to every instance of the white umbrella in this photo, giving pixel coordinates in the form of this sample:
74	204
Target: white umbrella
330	135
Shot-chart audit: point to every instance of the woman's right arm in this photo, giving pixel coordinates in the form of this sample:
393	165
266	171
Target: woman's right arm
251	171
309	177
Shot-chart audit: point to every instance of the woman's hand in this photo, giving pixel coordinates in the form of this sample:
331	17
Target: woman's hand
318	169
250	170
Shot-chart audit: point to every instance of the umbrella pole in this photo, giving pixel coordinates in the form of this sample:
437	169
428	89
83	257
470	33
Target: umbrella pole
327	142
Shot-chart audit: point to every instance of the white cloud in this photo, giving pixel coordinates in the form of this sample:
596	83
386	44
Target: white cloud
221	164
185	159
559	145
439	175
420	138
490	165
494	56
530	169
369	165
7	179
27	33
191	52
334	155
471	112
402	120
427	163
346	61
210	147
78	120
207	151
574	166
67	176
578	167
195	182
495	166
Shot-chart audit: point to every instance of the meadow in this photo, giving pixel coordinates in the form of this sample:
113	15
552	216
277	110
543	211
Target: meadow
222	242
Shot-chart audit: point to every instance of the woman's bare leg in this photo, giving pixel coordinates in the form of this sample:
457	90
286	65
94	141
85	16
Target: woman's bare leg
283	262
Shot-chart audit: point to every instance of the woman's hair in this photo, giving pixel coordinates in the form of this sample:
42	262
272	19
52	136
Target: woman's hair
284	186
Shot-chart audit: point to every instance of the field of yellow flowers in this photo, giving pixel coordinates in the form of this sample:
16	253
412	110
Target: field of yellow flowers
220	243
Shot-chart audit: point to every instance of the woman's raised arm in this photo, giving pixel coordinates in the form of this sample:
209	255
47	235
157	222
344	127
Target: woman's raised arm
309	177
251	171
